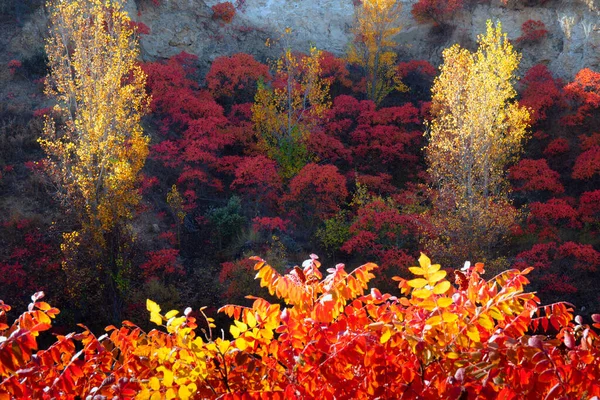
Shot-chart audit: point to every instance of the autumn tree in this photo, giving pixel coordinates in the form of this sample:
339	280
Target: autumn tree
476	130
373	46
285	112
96	148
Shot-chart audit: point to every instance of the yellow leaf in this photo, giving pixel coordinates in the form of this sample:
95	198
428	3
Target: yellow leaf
223	345
451	356
154	383
156	396
251	319
424	262
428	305
433	268
473	333
436	276
168	378
417	283
170	394
184	392
486	322
143	395
422	293
235	331
496	314
417	270
192	388
152	306
441	287
386	335
449	317
156	318
433	321
171	314
444	302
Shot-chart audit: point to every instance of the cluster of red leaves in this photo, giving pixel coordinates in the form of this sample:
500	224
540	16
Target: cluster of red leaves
223	12
381	231
316	193
533	31
535	175
331	339
161	263
435	11
236	75
540	91
14	65
583	95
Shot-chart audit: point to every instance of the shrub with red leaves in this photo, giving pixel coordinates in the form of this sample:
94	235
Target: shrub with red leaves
533	32
535	175
223	11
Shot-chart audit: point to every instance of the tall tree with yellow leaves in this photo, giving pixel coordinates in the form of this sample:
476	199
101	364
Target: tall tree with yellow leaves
373	47
286	111
96	146
477	129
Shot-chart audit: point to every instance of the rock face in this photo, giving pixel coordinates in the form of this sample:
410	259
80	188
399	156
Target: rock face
187	25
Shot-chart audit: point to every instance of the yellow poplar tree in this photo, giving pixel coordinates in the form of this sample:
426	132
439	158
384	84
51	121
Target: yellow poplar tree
285	112
373	46
477	129
95	143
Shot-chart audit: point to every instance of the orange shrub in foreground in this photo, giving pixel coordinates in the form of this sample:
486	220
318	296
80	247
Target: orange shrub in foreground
330	338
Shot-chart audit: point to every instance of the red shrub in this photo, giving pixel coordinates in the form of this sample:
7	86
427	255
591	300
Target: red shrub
589	206
555	212
535	175
584	96
269	224
316	193
540	92
333	69
421	67
533	31
557	147
236	75
161	263
257	179
14	65
587	164
435	11
223	11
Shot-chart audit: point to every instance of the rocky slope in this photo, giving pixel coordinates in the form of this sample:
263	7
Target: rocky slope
187	25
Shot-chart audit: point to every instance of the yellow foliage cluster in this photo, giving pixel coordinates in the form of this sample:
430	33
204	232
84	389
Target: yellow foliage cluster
477	128
98	148
285	112
373	47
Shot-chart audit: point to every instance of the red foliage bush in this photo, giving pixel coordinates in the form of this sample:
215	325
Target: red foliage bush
237	76
584	96
435	11
589	206
269	224
421	67
333	70
533	31
557	147
14	65
258	180
540	92
223	11
139	27
161	263
316	193
587	164
554	214
535	175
